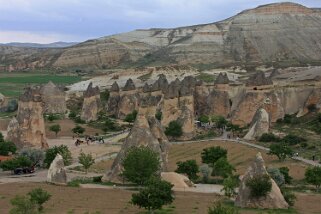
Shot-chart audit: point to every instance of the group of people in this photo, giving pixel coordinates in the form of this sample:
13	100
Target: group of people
90	139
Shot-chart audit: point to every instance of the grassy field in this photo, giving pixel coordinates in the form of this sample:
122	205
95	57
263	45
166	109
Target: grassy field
11	85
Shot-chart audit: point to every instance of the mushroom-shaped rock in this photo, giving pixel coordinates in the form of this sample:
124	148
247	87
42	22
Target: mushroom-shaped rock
259	79
129	85
273	200
172	90
260	124
57	173
91	105
161	84
114	87
222	79
53	98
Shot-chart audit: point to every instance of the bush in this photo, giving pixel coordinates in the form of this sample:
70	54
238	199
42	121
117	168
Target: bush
229	185
220	121
285	172
206	172
291	139
189	168
77	119
37	156
7	147
174	129
72	115
156	194
140	163
259	185
159	115
86	160
281	150
39	197
51	154
130	118
22	205
313	176
12	106
219	208
204	119
110	125
55	128
222	168
212	154
277	176
269	137
289	196
78	130
52	117
17	162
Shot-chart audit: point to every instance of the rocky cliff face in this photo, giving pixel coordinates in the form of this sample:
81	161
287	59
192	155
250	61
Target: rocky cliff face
28	128
260	124
273	200
269	33
53	98
91	105
146	132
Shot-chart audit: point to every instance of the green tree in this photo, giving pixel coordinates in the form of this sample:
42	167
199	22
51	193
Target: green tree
204	119
212	154
110	125
219	208
285	172
140	163
260	185
189	167
35	155
55	128
313	176
281	150
7	147
154	195
277	176
291	139
222	168
78	130
229	185
159	115
269	137
130	118
51	117
86	160
220	121
174	129
51	154
39	197
72	115
104	96
16	162
23	205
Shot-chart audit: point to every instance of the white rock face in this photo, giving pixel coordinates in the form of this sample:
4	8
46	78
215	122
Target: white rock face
57	173
260	125
273	200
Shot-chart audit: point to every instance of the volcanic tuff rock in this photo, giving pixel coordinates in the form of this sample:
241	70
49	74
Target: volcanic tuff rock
273	200
259	79
57	173
146	132
114	87
129	85
28	129
266	34
314	100
161	84
260	125
92	104
222	79
53	98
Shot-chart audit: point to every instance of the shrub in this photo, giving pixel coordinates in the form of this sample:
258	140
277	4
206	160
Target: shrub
39	197
55	128
77	119
12	106
277	176
219	208
206	172
159	115
269	137
229	185
7	147
174	129
52	117
37	156
289	196
78	130
285	172
110	125
86	160
291	139
17	162
313	176
51	154
189	168
220	121
204	119
156	194
222	168
72	115
130	118
140	163
22	205
281	150
259	185
212	154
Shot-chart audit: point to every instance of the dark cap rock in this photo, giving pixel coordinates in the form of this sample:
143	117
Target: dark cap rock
114	87
129	85
222	79
91	91
259	79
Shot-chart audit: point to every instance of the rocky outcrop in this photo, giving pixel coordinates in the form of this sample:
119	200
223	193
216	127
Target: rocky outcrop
2	99
129	86
273	200
114	87
217	103
28	128
92	104
113	101
260	125
222	79
312	103
57	173
172	90
161	84
53	98
146	132
259	79
178	181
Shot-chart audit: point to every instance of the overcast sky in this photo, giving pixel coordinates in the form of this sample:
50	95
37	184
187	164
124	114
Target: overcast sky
45	21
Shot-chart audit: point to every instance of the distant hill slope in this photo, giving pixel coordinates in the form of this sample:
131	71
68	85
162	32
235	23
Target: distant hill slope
282	33
36	45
